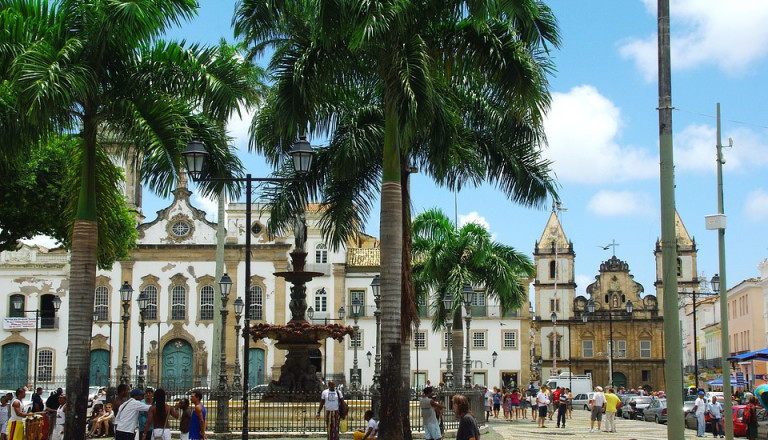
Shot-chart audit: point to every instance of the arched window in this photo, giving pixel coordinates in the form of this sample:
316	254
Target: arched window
178	303
321	253
257	303
45	366
150	314
206	303
101	304
552	269
321	300
13	311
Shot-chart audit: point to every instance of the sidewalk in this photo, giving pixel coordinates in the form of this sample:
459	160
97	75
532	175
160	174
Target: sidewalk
576	428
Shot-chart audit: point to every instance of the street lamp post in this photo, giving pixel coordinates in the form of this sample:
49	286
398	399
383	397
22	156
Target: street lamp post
376	392
468	294
195	155
448	304
355	374
143	302
18	304
125	296
239	305
222	392
554	344
310	315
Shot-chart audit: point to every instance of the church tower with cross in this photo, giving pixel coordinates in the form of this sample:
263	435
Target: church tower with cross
687	267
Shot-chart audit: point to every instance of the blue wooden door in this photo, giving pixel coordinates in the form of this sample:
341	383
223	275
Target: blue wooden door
177	365
256	366
99	368
15	366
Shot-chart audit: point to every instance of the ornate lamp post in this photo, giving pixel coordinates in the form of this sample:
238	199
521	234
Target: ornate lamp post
18	304
222	392
355	375
239	305
375	391
195	154
125	296
448	304
142	301
468	294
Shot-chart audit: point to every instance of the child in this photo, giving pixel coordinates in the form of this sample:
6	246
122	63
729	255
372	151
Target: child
371	431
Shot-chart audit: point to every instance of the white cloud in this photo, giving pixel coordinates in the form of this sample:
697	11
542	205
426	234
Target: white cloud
476	218
706	32
582	129
207	204
621	204
695	149
756	205
238	129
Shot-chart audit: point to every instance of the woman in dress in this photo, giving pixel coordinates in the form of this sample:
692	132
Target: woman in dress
467	424
158	417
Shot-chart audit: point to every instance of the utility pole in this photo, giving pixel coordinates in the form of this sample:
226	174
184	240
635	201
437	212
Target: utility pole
672	367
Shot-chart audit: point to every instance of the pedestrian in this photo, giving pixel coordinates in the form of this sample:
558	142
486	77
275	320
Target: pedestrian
5	412
158	417
429	409
514	403
467	424
17	416
51	406
598	406
496	402
570	402
488	396
542	400
612	402
185	419
37	401
197	420
750	417
700	410
100	427
534	406
562	407
122	397
715	411
149	396
58	429
371	428
330	400
127	417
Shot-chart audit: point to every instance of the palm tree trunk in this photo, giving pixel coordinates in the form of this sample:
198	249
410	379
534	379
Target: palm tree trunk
391	263
458	348
408	303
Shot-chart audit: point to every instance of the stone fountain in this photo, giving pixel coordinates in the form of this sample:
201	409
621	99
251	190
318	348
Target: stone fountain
298	379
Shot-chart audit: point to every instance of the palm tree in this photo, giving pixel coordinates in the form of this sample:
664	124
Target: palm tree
408	56
447	257
97	68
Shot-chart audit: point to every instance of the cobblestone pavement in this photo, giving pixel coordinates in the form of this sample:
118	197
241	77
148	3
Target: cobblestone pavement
576	428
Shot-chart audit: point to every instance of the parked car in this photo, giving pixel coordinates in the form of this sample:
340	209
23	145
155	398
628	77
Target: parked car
635	406
624	401
692	423
258	391
656	411
583	400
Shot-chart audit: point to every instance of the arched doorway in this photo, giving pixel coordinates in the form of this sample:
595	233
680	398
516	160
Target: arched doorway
619	380
99	368
177	365
256	366
14	365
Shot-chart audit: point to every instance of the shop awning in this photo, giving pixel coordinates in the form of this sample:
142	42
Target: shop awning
758	355
719	382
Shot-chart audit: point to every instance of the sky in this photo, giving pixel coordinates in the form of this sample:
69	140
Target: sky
602	132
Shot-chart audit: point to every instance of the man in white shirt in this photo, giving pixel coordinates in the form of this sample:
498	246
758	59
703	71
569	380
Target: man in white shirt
700	409
542	400
598	405
128	417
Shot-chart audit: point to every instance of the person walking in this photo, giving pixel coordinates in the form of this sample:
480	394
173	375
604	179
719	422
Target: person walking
715	411
534	406
128	416
488	403
158	417
514	403
542	400
700	410
598	406
149	396
467	424
611	405
570	402
429	409
16	419
562	408
496	402
750	417
197	421
61	414
330	400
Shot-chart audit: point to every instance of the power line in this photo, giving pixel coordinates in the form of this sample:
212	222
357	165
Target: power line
715	117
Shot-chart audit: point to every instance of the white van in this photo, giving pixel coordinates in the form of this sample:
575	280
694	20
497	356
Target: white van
578	383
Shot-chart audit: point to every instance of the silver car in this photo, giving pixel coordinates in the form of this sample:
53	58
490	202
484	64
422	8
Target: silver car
656	411
583	400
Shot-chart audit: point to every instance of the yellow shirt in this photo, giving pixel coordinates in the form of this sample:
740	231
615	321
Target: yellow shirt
611	400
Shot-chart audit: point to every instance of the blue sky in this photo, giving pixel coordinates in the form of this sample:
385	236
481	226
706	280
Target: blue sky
603	134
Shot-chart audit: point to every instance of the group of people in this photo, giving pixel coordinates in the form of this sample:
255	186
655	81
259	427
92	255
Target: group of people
513	403
13	416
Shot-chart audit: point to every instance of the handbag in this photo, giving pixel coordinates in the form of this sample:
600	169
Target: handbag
343	406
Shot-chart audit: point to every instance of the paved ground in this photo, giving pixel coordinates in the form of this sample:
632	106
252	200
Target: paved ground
576	428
